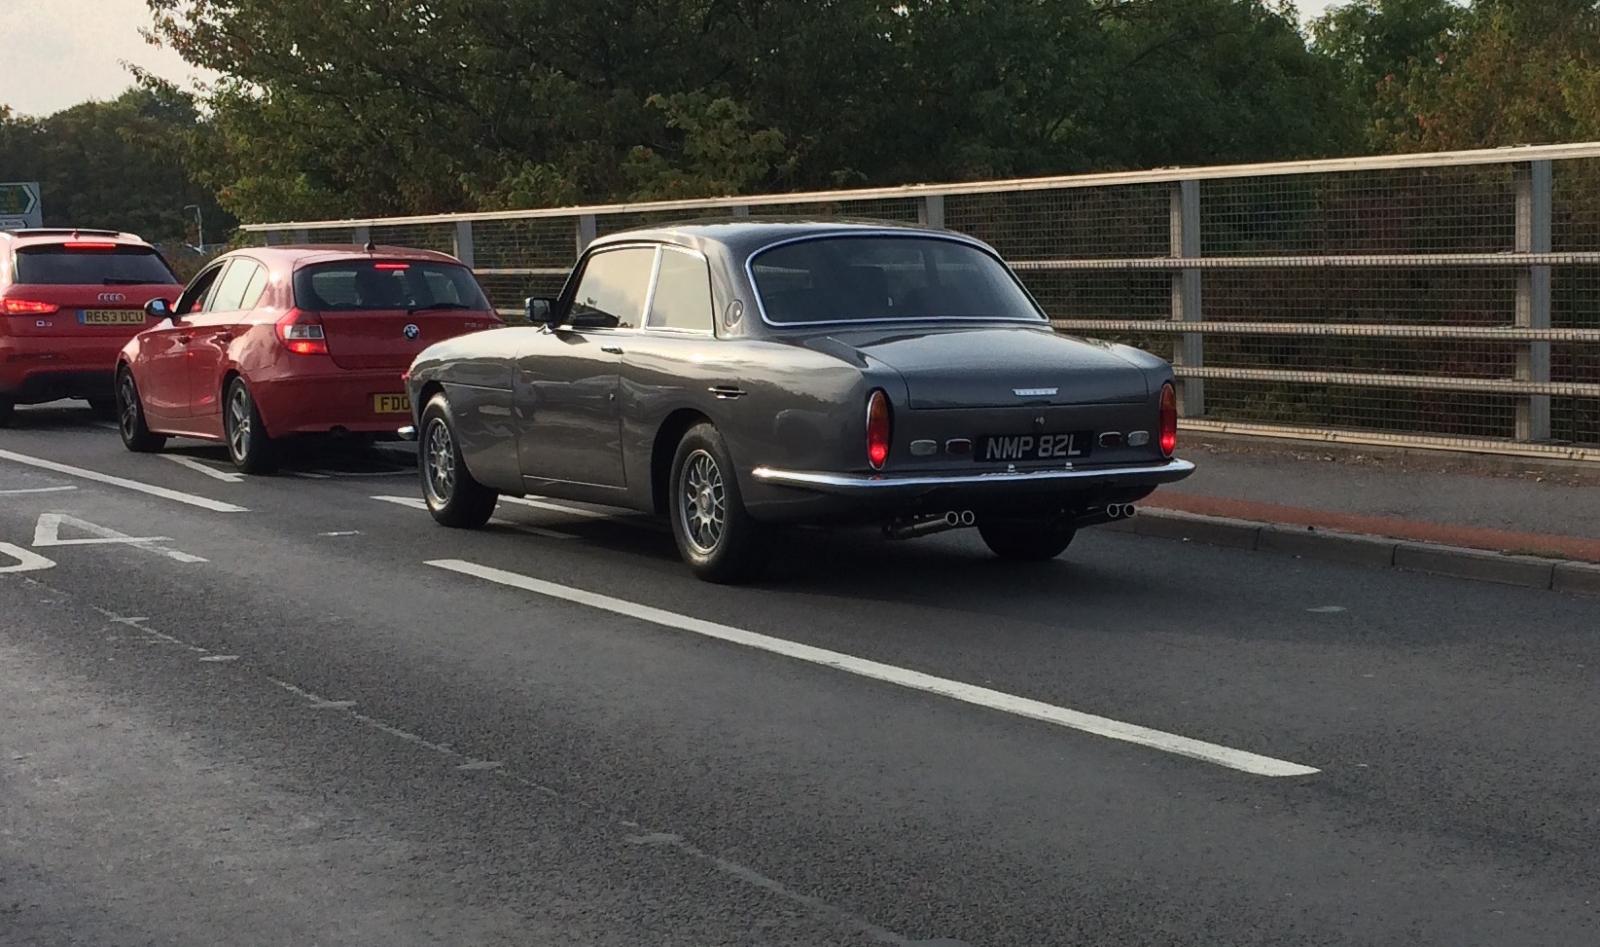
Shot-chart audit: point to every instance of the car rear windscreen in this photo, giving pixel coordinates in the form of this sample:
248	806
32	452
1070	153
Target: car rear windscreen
352	285
57	265
864	278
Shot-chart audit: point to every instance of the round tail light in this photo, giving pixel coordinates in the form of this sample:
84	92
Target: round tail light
1169	419
878	428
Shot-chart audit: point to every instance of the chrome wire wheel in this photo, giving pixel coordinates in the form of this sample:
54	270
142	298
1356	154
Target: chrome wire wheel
128	410
702	502
439	462
239	428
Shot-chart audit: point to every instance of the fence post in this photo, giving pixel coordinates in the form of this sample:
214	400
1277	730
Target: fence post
1534	186
586	231
301	236
465	252
930	211
1189	352
740	210
360	235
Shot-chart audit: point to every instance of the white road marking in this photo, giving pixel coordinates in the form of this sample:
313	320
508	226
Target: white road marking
150	489
219	658
1326	609
198	467
10	493
417	503
47	532
26	561
371	473
915	680
557	507
150	633
342	532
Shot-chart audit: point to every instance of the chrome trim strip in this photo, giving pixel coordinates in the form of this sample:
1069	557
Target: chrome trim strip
407	433
1165	472
913	232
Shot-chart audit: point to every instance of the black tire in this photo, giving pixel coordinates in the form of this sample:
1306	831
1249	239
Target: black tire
736	548
249	446
1024	541
8	411
136	434
105	409
454	497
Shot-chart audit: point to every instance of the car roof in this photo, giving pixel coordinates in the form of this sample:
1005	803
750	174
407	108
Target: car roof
42	236
743	235
297	255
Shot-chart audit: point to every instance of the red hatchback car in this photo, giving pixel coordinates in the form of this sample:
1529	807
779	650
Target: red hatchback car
69	300
272	342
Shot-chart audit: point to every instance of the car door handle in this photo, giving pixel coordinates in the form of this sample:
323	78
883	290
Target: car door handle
611	349
726	392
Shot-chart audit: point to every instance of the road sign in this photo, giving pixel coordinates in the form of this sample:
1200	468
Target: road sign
19	205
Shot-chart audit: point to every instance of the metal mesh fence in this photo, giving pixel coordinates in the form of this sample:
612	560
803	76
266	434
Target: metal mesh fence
1454	300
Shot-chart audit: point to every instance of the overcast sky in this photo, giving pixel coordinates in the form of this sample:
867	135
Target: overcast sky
58	53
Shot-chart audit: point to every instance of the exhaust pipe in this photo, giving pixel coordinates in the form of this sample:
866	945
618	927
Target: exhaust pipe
1110	513
928	525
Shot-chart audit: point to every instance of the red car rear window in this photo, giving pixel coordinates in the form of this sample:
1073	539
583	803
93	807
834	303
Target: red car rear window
56	265
386	285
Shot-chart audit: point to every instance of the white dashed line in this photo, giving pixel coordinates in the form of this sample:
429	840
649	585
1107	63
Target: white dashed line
12	493
207	469
417	503
904	677
342	532
150	489
557	508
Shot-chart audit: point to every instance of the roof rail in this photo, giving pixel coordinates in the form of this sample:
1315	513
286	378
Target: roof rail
63	232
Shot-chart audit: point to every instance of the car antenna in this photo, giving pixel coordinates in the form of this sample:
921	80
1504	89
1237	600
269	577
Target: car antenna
369	248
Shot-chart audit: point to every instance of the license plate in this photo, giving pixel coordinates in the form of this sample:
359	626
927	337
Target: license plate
391	404
1025	447
111	317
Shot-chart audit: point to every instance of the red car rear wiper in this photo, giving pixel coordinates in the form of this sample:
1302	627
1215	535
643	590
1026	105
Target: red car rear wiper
413	310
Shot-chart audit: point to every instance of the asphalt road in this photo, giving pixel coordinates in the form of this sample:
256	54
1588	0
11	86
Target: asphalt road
284	710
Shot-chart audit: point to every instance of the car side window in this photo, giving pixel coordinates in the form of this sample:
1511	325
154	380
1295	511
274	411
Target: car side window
193	298
612	290
229	296
254	288
682	297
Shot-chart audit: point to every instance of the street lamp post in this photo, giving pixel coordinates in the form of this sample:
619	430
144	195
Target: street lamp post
199	227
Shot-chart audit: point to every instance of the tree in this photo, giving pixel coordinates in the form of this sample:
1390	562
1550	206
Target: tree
1511	72
1378	46
119	164
365	107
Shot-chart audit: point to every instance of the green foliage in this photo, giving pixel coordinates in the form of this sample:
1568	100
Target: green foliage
354	107
118	164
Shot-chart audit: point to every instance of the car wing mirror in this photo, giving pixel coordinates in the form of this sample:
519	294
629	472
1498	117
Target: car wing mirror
159	309
541	311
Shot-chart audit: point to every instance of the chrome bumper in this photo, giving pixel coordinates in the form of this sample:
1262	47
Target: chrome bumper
866	485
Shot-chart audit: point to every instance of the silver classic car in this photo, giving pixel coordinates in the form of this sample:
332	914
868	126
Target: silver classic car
736	377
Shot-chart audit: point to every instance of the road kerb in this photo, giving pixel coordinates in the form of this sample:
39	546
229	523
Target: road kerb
1581	577
1483	565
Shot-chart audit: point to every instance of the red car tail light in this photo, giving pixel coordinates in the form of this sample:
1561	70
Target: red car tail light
301	333
1169	419
29	307
391	266
879	425
89	245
